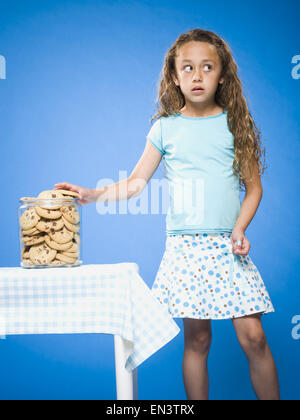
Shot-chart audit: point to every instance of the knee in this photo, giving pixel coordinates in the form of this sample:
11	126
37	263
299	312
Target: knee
199	342
254	342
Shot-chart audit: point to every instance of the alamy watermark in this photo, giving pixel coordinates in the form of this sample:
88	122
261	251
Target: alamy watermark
179	197
296	318
296	69
296	329
2	67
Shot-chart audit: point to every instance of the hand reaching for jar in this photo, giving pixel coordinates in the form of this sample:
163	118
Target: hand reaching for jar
86	196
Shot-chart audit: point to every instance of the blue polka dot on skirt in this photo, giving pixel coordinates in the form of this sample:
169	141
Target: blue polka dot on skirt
200	277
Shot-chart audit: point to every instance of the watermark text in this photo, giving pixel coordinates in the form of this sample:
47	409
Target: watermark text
180	196
2	67
296	69
296	329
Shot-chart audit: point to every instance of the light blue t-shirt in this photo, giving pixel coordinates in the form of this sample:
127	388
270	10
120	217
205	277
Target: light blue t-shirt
203	190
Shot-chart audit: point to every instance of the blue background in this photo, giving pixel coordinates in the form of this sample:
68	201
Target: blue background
76	106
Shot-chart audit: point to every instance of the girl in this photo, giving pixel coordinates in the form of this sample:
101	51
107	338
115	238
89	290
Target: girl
212	148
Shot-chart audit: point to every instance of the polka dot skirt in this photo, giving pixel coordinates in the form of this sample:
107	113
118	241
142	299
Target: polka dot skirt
200	277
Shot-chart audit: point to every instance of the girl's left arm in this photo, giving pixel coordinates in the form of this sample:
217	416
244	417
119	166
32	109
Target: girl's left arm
248	209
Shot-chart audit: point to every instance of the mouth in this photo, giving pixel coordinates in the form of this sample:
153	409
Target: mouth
197	89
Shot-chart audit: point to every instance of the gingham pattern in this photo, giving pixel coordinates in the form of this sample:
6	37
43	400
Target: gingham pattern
107	298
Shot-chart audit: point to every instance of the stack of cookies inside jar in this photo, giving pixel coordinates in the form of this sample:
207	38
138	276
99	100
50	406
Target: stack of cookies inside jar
50	229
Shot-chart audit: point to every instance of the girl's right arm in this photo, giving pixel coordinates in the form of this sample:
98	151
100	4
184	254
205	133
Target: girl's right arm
125	189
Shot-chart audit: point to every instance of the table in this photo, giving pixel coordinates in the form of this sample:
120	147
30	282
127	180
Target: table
95	298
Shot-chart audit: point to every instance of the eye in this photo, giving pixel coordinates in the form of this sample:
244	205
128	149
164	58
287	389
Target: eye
205	65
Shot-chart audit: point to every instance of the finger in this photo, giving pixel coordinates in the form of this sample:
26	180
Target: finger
234	243
240	252
243	251
61	185
246	246
237	251
67	186
239	246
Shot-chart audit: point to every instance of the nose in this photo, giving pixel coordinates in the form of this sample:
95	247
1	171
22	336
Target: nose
197	75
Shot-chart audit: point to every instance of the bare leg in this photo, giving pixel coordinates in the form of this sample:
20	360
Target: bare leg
197	341
263	371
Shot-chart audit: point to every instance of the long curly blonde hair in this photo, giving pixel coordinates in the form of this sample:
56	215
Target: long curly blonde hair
229	96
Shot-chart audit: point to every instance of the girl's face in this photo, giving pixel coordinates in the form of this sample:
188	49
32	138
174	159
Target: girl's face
198	65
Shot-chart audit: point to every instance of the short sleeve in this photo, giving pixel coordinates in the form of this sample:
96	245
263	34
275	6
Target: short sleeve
155	137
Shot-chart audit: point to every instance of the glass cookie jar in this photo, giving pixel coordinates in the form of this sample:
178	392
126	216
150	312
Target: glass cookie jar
50	232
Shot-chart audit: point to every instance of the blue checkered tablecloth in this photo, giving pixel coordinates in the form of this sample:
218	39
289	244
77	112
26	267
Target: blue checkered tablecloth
106	298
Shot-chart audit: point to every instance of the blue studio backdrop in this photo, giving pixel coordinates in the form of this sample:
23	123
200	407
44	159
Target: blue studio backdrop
78	82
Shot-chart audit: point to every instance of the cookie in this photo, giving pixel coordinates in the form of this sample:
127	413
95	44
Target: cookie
33	240
58	247
48	214
50	195
31	232
50	225
27	262
42	254
29	219
70	254
65	259
71	214
77	238
24	251
55	263
74	248
61	237
68	193
26	255
71	226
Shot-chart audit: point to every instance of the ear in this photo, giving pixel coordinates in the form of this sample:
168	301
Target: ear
221	81
175	80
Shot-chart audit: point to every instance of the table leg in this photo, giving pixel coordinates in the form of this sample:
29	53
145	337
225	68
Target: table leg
127	383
